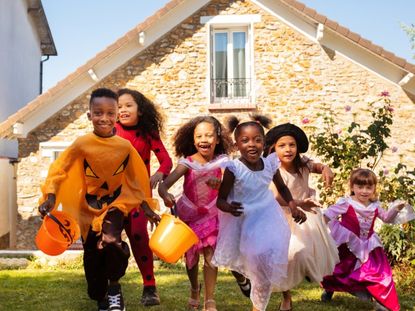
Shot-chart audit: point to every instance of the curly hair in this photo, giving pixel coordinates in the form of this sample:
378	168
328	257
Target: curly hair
260	121
184	141
150	122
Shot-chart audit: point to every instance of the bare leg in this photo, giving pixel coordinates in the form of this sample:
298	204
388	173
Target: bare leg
286	300
210	273
193	278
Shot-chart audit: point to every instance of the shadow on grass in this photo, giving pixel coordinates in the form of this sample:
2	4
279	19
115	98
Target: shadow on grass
65	290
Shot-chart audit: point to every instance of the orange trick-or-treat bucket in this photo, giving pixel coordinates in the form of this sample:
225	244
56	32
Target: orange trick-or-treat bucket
58	231
172	238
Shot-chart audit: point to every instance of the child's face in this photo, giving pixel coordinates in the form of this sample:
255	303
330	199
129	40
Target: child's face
250	143
286	149
103	115
363	193
205	139
128	113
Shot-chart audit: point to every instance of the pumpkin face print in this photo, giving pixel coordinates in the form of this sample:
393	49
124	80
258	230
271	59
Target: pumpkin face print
103	185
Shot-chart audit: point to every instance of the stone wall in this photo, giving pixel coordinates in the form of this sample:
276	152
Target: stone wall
295	77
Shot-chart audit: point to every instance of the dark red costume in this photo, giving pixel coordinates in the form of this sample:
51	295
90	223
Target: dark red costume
137	222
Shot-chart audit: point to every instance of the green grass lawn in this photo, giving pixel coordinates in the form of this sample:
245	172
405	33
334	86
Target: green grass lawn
64	289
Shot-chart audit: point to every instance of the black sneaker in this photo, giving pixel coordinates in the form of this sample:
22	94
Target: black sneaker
103	305
326	296
150	296
115	299
245	287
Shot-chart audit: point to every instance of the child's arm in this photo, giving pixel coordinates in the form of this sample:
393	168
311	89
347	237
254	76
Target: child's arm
325	171
167	197
58	172
389	215
149	213
298	215
164	160
48	204
234	208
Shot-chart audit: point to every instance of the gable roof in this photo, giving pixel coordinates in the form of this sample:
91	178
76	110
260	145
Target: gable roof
350	35
161	22
37	13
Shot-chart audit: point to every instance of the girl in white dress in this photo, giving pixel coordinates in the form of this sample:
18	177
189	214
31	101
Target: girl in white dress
253	234
312	252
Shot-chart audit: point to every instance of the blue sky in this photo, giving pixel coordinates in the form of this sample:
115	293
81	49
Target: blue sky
83	28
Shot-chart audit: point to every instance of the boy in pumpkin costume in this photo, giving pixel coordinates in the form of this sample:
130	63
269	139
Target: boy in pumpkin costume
98	180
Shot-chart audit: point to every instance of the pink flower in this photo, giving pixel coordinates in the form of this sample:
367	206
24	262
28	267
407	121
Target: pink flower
394	149
384	94
385	171
390	109
348	108
339	131
305	121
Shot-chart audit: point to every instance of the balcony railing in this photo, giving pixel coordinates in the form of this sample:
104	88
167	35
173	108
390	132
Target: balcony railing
230	90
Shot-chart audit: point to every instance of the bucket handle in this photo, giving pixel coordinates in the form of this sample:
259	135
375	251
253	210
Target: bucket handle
61	226
174	209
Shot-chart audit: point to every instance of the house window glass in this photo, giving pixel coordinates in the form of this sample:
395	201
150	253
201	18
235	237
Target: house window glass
230	80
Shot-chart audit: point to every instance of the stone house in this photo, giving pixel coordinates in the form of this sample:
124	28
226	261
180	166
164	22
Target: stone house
26	43
193	57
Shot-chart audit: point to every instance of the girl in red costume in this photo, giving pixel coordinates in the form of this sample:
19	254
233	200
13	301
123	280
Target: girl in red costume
140	122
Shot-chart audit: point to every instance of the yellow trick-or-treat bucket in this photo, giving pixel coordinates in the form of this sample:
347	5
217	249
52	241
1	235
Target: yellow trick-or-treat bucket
58	231
172	238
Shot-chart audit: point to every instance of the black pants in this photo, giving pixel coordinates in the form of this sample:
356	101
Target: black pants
108	263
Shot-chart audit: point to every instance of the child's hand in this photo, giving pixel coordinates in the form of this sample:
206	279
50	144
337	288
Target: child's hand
151	216
48	205
169	200
400	206
308	205
156	179
234	208
298	215
213	183
327	175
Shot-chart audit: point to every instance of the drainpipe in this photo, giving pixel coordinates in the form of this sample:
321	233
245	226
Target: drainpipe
41	74
13	206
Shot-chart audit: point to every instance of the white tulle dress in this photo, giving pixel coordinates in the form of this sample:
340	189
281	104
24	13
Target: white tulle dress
256	243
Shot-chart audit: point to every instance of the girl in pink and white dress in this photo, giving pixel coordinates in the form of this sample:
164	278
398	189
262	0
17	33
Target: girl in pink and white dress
313	252
203	144
363	267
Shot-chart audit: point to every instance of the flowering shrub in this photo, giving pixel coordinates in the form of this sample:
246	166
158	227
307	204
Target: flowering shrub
357	146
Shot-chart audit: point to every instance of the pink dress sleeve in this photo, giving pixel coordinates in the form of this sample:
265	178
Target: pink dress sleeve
389	215
334	211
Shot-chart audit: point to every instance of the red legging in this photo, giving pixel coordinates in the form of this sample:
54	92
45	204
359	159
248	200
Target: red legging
137	233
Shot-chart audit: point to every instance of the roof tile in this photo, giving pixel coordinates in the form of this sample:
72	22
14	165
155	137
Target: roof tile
310	12
320	18
343	30
354	36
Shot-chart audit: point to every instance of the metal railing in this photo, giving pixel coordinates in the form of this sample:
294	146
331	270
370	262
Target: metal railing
230	89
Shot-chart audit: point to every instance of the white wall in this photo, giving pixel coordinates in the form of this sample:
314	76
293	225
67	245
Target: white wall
8	207
20	57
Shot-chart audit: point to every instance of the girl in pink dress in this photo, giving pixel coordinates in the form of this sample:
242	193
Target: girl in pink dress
203	143
363	267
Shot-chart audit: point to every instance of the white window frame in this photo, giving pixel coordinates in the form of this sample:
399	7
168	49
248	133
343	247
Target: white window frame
51	150
220	23
230	61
